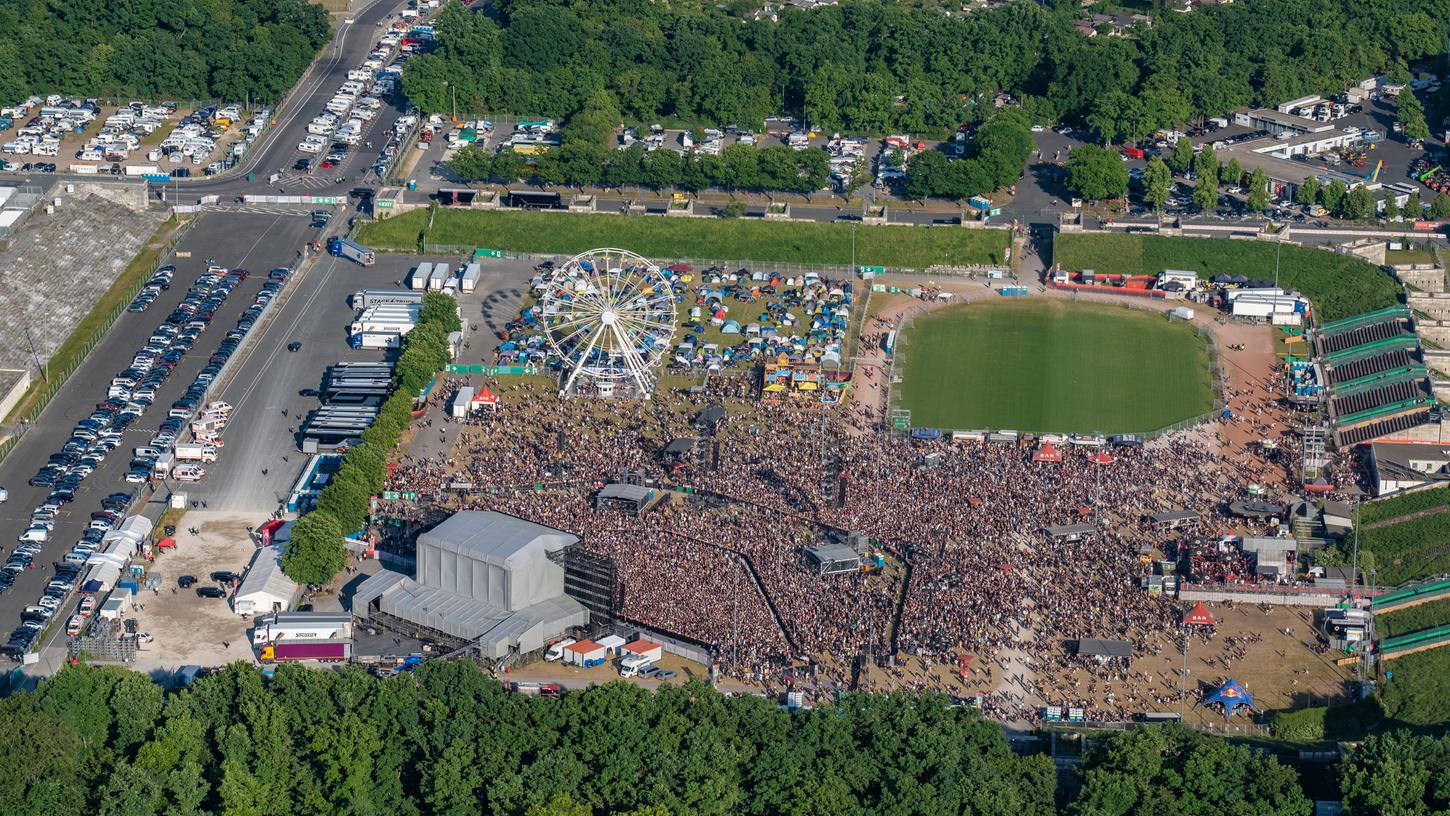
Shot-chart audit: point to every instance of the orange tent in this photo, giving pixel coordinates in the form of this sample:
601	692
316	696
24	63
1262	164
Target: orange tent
1199	616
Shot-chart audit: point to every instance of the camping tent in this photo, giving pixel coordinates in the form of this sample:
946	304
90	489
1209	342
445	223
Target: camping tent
1231	695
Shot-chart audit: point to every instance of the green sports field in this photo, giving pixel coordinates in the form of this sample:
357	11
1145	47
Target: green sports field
1053	367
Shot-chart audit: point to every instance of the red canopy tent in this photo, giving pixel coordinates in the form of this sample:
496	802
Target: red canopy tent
266	531
1199	616
1047	453
1102	458
166	543
485	399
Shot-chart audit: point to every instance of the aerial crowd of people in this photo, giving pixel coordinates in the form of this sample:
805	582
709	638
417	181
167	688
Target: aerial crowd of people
964	570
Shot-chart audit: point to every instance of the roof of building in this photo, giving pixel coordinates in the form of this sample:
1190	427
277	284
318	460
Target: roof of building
626	492
1403	453
265	578
1267	544
496	538
1098	647
830	553
583	647
684	444
641	646
1287	119
1173	515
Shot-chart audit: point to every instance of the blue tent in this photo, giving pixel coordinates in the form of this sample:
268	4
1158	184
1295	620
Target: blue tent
1231	695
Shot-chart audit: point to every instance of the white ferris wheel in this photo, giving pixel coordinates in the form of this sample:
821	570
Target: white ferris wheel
608	315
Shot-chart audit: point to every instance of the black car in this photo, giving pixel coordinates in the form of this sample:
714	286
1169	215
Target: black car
186	581
295	345
210	592
303	165
223	576
309	392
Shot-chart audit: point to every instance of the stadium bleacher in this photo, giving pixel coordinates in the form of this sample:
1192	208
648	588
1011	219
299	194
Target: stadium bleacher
1343	373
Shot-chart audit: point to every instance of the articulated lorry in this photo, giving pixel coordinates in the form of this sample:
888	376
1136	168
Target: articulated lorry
351	250
328	651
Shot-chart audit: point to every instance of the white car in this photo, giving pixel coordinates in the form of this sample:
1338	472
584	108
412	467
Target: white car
1038	128
36	533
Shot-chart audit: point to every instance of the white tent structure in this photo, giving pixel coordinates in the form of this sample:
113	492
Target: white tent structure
266	588
484	577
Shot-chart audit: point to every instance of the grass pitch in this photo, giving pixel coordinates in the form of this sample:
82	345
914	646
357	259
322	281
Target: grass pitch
1053	367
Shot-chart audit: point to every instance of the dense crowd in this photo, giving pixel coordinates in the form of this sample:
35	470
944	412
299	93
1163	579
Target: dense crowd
960	524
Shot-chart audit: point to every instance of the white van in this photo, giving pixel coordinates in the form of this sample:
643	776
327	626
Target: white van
632	665
556	649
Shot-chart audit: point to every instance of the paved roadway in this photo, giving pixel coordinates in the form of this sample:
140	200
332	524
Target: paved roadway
317	313
278	149
253	242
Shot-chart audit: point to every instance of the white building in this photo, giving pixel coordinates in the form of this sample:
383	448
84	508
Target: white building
266	588
1407	465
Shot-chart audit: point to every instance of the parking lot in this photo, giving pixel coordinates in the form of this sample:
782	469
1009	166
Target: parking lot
249	241
188	629
268	381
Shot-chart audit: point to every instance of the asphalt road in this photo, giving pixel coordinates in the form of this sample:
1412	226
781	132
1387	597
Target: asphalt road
254	242
317	313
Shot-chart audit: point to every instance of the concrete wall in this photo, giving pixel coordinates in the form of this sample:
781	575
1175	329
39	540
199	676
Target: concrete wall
1434	304
1427	277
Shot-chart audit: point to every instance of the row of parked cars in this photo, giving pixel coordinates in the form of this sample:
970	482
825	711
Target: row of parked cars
67	573
159	282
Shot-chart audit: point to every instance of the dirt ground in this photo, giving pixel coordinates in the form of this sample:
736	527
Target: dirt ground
189	629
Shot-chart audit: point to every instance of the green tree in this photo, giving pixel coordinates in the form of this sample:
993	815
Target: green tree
561	805
1096	174
346	499
1396	773
1182	157
1206	163
440	310
1231	173
1308	192
926	175
1332	195
1359	204
1440	207
316	551
1412	116
1391	210
1413	208
1157	181
471	163
1205	193
662	169
1258	190
1160	768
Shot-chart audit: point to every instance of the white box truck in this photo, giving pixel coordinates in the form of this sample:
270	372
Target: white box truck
421	276
196	453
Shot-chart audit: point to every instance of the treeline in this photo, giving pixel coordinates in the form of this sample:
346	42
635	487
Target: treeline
316	551
873	67
185	49
993	160
590	162
447	739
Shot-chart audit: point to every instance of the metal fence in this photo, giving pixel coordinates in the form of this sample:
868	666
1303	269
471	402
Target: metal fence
54	381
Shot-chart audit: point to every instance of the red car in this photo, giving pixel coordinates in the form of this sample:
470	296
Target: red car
327	163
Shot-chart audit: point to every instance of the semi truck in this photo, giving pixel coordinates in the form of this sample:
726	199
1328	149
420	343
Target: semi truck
327	651
375	340
196	453
291	627
419	279
352	251
368	298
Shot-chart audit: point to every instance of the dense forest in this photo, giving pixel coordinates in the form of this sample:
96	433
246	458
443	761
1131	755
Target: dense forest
231	50
867	66
446	739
